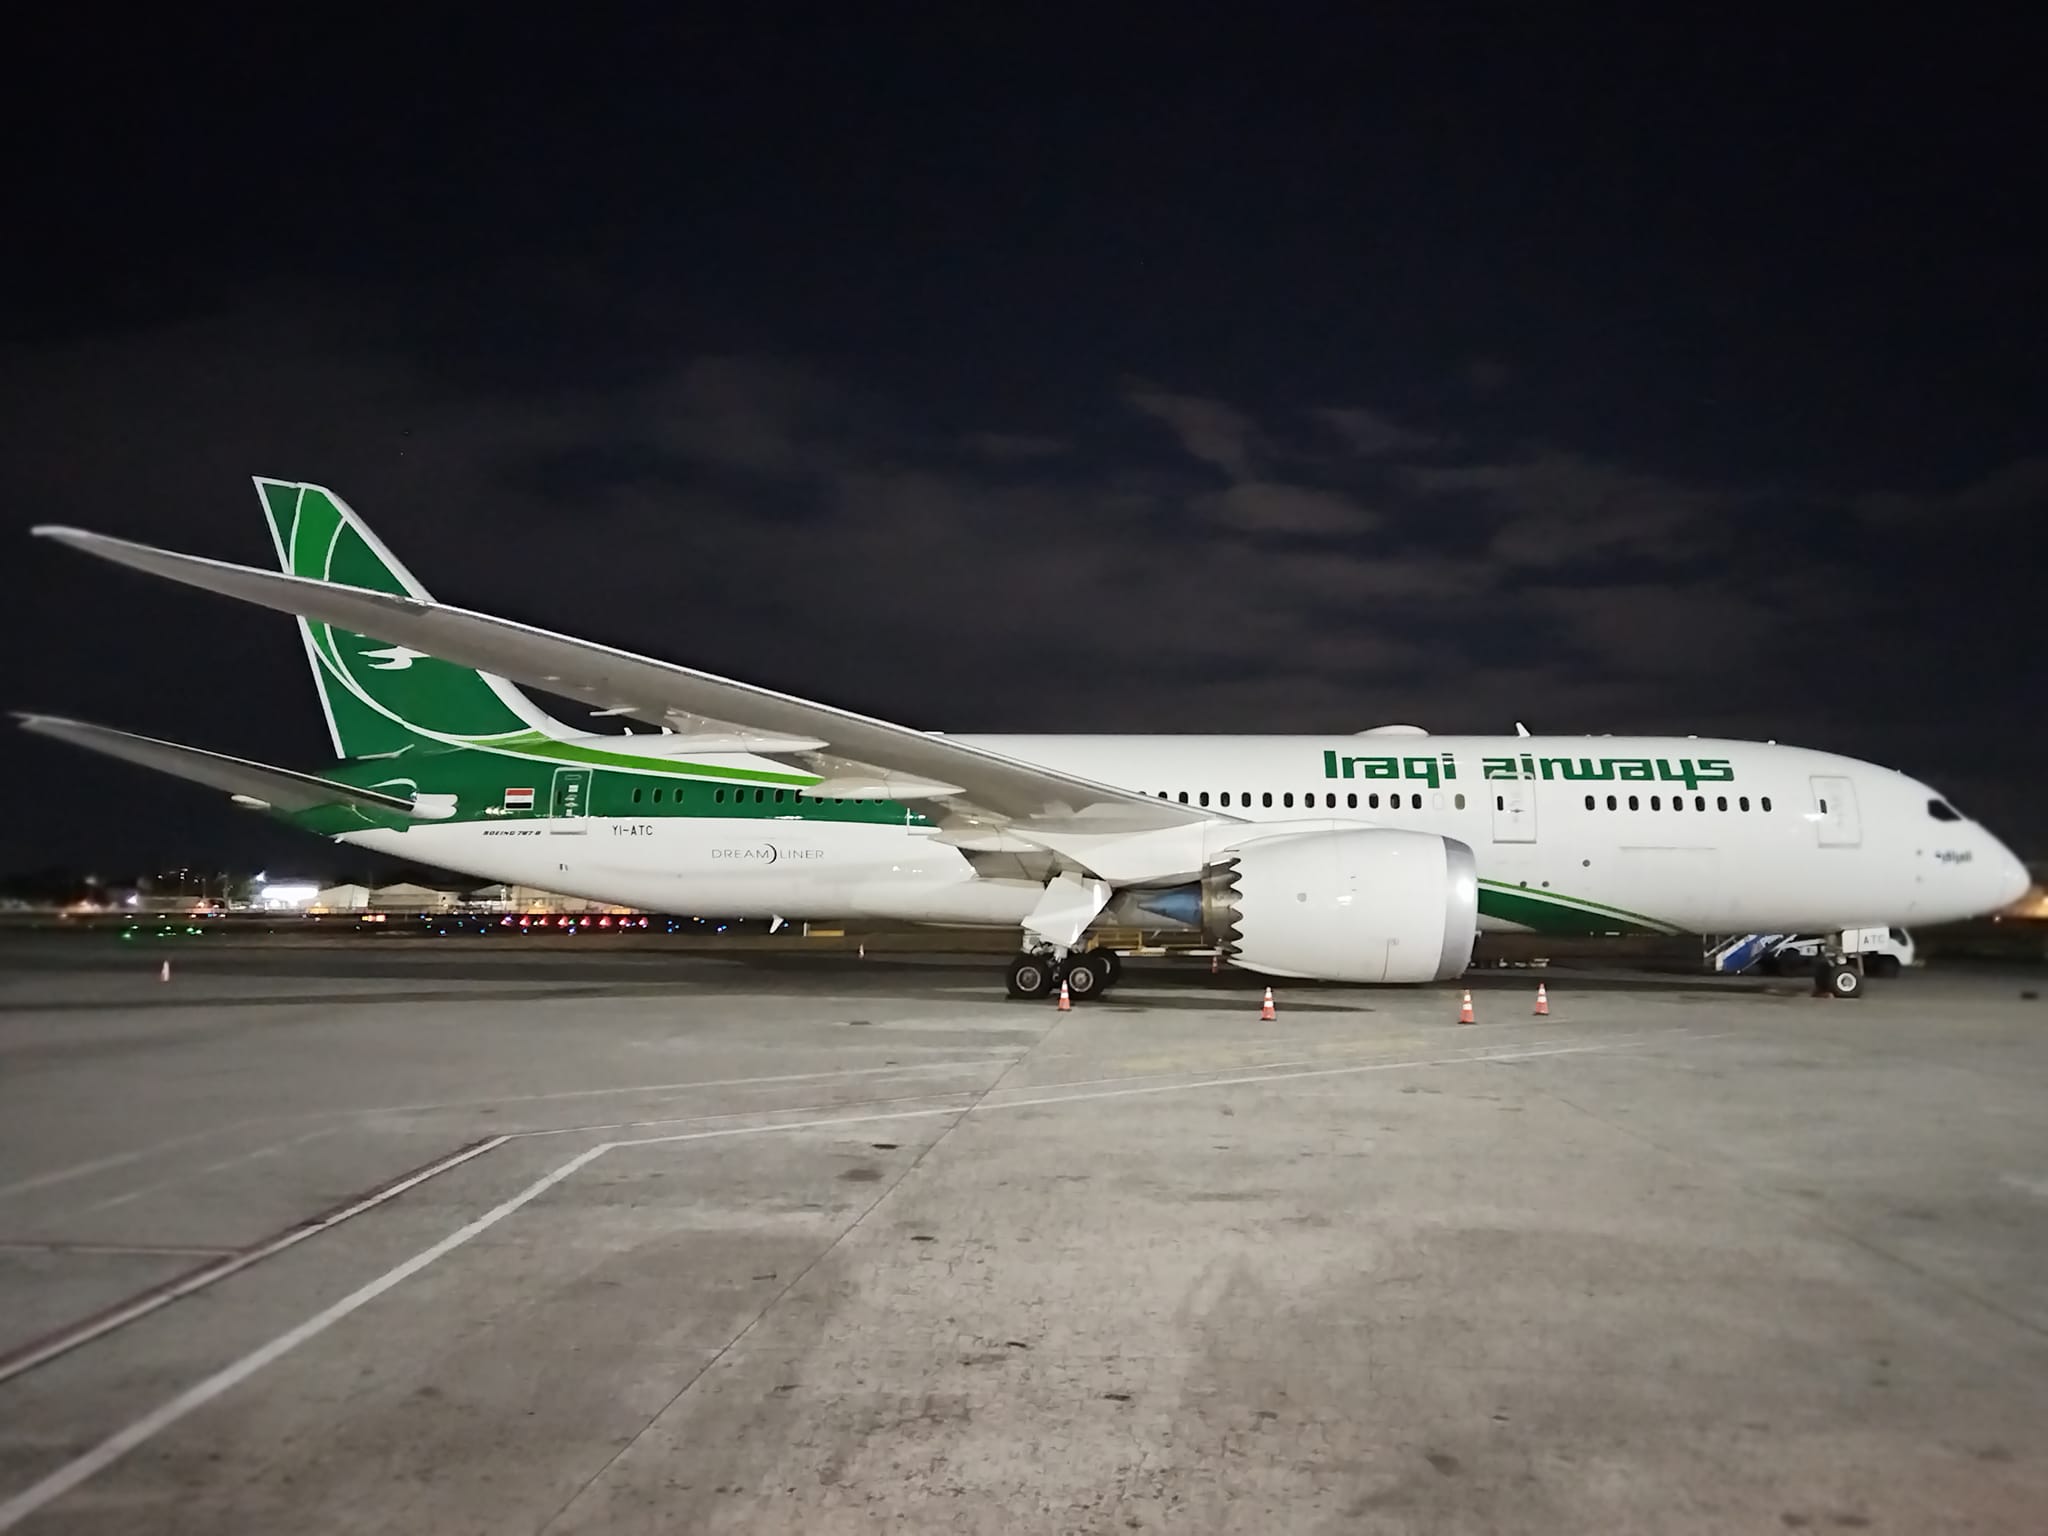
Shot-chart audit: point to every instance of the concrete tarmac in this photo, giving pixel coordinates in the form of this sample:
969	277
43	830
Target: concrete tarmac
459	1237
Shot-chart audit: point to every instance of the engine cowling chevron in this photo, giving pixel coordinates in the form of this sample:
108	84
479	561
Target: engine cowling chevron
1374	904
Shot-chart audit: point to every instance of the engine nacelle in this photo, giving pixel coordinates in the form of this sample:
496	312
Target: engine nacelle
1374	904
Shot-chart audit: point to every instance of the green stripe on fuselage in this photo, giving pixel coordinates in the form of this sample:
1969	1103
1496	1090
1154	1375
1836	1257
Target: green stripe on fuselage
640	790
1544	913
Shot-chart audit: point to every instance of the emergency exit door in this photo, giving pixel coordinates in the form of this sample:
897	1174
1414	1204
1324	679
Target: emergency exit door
569	800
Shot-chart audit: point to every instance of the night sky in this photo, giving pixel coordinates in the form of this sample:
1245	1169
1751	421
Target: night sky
1089	375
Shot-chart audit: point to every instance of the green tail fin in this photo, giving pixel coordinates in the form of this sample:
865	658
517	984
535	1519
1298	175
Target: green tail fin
382	698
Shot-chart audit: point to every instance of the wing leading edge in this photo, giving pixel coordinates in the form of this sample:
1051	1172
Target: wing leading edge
976	787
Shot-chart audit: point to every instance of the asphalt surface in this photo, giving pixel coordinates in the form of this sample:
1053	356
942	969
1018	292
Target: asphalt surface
469	1237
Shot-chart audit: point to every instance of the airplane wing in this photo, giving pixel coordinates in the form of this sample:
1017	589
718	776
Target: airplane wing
281	788
860	756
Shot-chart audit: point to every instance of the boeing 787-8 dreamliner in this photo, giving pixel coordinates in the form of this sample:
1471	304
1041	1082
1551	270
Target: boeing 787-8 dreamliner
1369	858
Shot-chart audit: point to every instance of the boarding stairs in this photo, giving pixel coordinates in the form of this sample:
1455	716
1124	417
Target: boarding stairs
1732	955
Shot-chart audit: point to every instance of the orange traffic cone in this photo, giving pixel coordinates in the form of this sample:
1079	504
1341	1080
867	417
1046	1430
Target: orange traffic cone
1465	1009
1066	1003
165	973
1542	1002
1266	1008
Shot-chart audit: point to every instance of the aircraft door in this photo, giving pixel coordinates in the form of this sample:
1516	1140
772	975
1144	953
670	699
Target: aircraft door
1834	812
1514	811
569	800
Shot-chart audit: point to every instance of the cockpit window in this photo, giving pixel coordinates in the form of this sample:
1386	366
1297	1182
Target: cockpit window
1941	810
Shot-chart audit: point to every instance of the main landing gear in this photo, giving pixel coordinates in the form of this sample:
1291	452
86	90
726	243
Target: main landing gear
1087	974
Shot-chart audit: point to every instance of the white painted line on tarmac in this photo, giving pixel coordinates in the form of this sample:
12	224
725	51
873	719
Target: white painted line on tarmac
117	1160
270	1149
115	1250
112	1449
986	1106
119	1316
716	1082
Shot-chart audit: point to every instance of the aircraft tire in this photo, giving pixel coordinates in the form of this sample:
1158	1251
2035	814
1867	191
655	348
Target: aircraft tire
1087	976
1884	967
1031	976
1113	962
1843	981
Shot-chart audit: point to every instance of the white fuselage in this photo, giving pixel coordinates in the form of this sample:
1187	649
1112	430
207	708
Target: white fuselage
1558	826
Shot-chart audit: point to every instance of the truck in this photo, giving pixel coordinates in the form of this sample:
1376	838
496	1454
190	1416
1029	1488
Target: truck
1884	951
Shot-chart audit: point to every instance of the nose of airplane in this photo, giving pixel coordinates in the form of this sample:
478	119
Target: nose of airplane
2011	876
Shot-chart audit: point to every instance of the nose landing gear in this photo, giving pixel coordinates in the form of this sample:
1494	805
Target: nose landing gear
1837	976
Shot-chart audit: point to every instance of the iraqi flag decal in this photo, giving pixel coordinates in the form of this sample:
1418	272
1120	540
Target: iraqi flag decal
518	799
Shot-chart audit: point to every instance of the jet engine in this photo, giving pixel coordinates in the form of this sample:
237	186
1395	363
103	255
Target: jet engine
1370	904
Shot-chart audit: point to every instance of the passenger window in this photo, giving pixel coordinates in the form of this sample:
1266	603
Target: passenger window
636	797
1500	802
1699	802
1611	802
1589	802
1287	799
1742	803
1720	802
1183	797
1329	802
1634	804
1351	801
1374	800
1415	801
1823	805
761	796
719	797
1656	802
778	796
1203	797
1765	802
1224	799
1459	800
1266	799
1678	802
1941	810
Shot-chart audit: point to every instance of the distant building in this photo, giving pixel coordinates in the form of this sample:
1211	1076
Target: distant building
531	898
341	898
406	896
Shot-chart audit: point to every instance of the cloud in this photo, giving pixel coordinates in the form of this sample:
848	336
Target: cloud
1559	508
1012	447
1209	430
1268	507
1652	629
2018	487
1372	435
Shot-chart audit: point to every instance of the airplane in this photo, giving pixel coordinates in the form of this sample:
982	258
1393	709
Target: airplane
1371	858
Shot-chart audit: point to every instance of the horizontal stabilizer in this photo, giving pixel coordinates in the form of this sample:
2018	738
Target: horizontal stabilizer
279	788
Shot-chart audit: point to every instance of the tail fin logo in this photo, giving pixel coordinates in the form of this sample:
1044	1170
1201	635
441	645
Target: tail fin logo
393	658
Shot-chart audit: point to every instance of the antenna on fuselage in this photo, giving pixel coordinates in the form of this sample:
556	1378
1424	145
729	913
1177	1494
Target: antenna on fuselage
1521	729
